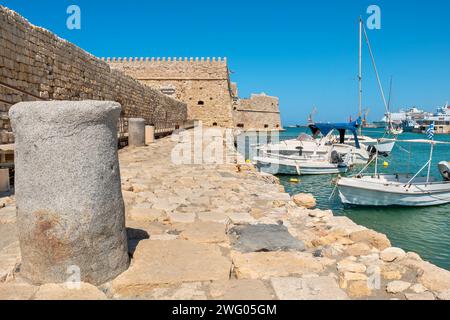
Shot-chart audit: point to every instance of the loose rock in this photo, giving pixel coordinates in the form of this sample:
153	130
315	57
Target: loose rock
375	239
397	286
420	296
305	200
391	254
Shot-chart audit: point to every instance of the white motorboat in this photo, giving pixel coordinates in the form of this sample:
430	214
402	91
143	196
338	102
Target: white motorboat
392	190
362	148
397	189
333	163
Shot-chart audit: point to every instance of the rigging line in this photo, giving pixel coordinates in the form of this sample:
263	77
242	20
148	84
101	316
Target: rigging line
390	93
402	149
389	115
376	70
409	159
333	192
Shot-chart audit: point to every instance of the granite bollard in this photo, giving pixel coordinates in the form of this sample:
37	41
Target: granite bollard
136	132
149	134
70	210
4	180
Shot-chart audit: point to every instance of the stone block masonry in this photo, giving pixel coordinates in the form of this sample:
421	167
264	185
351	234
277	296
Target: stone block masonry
258	112
203	84
35	64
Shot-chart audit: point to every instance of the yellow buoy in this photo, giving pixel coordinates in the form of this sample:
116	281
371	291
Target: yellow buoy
385	164
294	180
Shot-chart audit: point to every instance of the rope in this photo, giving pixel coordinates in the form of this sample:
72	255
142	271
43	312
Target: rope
334	190
403	149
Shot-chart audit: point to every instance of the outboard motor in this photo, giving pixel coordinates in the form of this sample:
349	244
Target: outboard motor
444	169
336	157
373	151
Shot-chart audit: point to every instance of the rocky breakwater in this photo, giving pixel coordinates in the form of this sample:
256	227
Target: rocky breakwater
222	231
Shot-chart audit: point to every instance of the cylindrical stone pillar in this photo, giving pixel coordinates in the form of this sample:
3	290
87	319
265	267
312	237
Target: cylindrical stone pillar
149	134
4	180
70	210
136	132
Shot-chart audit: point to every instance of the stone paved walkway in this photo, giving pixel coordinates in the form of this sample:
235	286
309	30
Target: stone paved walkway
203	232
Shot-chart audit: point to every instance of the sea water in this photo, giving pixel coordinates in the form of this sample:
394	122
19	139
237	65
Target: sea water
425	230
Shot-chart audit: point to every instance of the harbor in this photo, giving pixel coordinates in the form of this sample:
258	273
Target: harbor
258	241
127	175
417	229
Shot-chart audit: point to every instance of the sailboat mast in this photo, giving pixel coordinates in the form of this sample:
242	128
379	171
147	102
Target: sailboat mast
360	72
429	162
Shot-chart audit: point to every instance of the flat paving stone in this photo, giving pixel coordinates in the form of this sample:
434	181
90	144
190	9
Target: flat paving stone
168	262
264	237
264	265
316	288
240	290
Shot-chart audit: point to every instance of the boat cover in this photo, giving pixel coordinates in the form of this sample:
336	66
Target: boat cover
326	128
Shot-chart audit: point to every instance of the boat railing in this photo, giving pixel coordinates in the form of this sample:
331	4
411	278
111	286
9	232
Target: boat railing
379	175
293	157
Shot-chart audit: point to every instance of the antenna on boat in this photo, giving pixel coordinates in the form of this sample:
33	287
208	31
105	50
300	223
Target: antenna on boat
360	72
389	115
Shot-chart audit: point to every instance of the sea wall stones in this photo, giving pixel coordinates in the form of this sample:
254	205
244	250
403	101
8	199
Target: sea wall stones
43	66
70	210
304	200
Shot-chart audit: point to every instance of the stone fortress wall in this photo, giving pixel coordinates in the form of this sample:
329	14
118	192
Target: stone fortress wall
260	111
35	64
203	84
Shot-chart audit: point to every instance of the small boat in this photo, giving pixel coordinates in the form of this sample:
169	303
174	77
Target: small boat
397	189
394	131
360	147
303	165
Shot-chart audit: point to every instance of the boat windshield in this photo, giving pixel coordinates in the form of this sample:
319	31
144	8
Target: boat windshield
305	137
325	128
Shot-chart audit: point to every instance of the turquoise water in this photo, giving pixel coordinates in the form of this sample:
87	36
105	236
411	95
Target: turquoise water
422	230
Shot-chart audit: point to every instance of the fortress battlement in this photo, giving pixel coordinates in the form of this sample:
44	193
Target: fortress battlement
157	68
222	60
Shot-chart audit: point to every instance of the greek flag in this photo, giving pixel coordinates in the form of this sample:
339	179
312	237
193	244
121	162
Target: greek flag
430	131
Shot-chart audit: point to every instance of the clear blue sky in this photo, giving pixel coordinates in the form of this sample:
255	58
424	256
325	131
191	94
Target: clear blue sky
305	52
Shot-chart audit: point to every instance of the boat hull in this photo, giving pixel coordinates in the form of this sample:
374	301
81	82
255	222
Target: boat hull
274	166
352	191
